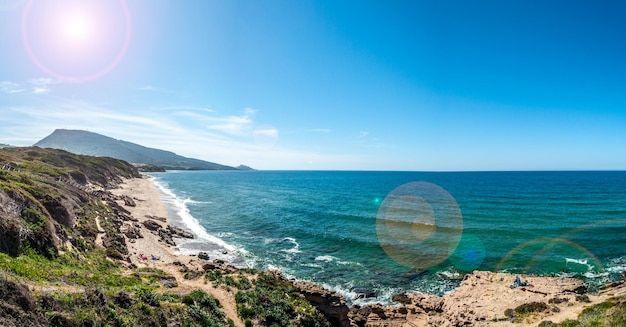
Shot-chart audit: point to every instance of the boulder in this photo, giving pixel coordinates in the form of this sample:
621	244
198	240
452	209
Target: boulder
362	292
133	232
179	232
152	225
166	237
128	201
203	256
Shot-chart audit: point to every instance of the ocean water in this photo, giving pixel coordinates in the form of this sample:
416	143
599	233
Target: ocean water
393	231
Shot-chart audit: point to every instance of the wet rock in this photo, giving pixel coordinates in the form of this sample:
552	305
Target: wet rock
362	293
203	256
179	232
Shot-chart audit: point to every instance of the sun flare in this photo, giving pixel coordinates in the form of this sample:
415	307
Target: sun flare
76	40
76	28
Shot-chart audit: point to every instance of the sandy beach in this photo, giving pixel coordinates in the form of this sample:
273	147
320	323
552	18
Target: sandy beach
480	300
148	203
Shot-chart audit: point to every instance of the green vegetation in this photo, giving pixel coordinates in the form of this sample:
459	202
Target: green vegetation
525	311
273	302
90	290
51	272
612	312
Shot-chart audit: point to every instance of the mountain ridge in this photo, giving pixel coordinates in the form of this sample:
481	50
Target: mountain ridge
90	143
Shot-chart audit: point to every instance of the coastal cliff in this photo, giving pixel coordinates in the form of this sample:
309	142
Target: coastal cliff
85	241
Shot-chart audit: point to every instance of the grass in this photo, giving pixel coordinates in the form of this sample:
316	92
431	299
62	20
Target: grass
90	268
90	290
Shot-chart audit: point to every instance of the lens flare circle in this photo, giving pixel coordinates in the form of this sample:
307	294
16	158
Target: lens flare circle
419	224
469	254
76	40
543	253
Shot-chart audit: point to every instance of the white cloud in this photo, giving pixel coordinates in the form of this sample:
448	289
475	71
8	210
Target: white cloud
363	134
40	81
38	85
268	131
195	132
233	125
11	87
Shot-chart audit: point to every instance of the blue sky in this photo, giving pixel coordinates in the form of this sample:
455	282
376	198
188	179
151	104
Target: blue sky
357	85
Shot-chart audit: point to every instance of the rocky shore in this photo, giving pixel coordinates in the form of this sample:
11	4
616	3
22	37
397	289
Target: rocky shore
482	299
87	241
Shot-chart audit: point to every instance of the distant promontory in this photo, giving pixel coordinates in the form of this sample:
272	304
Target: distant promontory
145	158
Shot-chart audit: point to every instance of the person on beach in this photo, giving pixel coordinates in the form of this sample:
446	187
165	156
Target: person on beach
518	282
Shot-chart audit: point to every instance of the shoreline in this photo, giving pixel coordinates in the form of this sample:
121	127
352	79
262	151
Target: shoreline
481	299
148	202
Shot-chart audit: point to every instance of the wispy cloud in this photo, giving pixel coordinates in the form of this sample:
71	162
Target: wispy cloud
40	85
363	134
196	132
11	87
233	125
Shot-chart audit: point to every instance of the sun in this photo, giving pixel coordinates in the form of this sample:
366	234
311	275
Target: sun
76	27
76	40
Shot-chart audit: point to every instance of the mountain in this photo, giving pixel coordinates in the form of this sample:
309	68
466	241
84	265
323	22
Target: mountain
88	143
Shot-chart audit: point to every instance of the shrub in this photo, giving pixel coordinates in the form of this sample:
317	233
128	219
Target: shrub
148	297
531	307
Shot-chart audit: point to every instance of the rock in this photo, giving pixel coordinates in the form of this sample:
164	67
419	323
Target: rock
156	218
209	266
179	232
132	232
331	304
152	225
362	293
166	237
401	298
203	256
128	201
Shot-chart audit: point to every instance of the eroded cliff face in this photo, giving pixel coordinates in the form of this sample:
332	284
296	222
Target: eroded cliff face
47	198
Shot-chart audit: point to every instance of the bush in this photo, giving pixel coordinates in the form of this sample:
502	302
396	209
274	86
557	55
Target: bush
204	309
273	302
148	297
531	307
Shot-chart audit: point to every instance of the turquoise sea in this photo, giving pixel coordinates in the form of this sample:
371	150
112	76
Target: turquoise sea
394	231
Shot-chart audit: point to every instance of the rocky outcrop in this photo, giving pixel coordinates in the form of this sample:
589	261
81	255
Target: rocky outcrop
179	232
152	225
481	298
331	304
